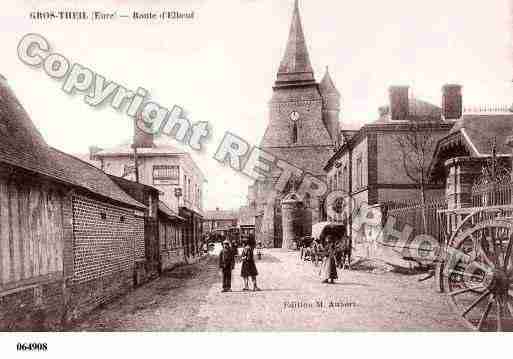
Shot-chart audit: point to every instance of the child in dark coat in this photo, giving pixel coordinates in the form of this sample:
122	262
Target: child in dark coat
226	264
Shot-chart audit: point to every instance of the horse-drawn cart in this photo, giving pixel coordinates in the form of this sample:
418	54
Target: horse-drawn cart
475	265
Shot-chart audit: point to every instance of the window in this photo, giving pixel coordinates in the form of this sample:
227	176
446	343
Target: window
103	215
164	174
345	179
307	200
359	172
184	187
294	133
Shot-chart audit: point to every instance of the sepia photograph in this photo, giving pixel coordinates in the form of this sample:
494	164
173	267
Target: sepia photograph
245	167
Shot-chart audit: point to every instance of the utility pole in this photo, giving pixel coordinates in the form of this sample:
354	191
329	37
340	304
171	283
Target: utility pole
136	164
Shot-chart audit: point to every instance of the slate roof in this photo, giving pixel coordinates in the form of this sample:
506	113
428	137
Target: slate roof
417	110
326	86
295	65
478	130
21	145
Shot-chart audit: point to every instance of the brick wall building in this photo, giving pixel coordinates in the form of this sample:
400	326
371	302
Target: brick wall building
164	246
169	170
369	165
69	236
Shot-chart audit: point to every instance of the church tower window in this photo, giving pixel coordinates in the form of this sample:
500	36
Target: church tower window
294	116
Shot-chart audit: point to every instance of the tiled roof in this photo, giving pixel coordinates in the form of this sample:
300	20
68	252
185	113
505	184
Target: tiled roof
22	145
169	212
479	130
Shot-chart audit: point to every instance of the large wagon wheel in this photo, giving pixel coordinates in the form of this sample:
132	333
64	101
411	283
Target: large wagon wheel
478	275
477	216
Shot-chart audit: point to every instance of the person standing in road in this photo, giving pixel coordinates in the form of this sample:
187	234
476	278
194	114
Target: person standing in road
248	268
226	264
313	252
330	262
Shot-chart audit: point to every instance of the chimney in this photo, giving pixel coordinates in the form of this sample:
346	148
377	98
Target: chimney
399	103
142	138
93	150
452	102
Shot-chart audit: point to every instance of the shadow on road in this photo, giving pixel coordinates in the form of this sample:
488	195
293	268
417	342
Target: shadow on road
351	284
267	258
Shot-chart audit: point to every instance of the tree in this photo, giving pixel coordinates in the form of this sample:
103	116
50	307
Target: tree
417	144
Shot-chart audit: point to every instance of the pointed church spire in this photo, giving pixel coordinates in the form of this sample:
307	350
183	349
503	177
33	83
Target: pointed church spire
295	67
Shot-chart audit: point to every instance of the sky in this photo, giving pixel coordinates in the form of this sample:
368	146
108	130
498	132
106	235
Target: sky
221	65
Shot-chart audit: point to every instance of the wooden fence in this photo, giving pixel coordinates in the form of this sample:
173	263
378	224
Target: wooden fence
31	232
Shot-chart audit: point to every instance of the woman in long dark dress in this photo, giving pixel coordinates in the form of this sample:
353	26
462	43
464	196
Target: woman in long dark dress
330	262
248	268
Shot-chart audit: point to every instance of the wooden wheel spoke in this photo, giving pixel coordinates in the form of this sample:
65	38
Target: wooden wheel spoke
480	249
485	314
464	274
501	248
499	314
494	246
509	304
508	254
475	302
464	290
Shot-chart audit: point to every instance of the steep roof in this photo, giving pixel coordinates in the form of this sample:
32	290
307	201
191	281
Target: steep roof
295	65
479	130
21	145
472	135
326	86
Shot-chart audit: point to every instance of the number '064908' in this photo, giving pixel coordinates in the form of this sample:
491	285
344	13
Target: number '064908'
32	347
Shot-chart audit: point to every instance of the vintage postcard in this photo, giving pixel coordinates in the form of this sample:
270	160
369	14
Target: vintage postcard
255	166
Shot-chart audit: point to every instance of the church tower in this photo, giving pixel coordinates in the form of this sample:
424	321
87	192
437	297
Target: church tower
295	118
302	129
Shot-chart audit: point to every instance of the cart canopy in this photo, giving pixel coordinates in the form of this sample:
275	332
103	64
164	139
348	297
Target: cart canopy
322	229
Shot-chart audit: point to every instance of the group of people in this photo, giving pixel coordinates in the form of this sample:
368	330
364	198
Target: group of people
330	253
227	258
